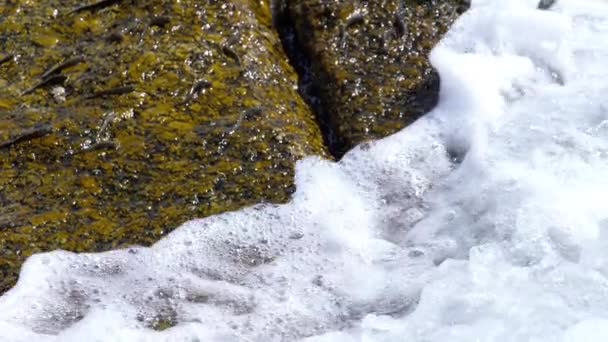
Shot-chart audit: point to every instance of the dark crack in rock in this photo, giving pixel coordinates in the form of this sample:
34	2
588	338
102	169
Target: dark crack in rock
365	63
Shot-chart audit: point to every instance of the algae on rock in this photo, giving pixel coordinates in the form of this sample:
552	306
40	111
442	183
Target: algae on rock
368	60
119	122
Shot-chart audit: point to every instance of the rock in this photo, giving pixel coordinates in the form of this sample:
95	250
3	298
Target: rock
119	120
368	60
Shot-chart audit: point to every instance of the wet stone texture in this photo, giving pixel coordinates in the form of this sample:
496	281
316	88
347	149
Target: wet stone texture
367	61
122	119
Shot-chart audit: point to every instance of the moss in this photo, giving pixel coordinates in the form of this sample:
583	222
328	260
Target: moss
369	60
84	171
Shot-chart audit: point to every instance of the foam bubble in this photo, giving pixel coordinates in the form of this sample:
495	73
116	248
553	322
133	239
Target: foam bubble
487	219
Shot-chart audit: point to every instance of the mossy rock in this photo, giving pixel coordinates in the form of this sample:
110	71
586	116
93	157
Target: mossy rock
369	60
120	121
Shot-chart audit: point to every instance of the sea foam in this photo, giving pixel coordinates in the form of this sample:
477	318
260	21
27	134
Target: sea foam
485	220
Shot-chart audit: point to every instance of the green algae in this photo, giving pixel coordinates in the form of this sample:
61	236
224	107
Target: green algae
369	60
106	139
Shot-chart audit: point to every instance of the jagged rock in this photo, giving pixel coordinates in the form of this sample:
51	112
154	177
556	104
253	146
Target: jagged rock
119	120
367	60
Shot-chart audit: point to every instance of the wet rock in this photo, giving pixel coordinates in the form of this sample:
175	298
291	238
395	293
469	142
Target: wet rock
366	61
119	120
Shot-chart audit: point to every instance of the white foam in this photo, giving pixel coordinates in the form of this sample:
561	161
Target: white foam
486	220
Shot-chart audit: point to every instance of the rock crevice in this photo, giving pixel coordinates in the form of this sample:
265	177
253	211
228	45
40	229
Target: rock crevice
364	65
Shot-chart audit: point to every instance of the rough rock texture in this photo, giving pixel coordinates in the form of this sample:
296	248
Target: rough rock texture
368	60
122	119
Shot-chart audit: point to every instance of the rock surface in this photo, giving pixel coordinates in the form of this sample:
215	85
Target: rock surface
120	120
368	61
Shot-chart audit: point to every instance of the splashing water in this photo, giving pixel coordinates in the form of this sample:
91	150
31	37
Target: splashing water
486	220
